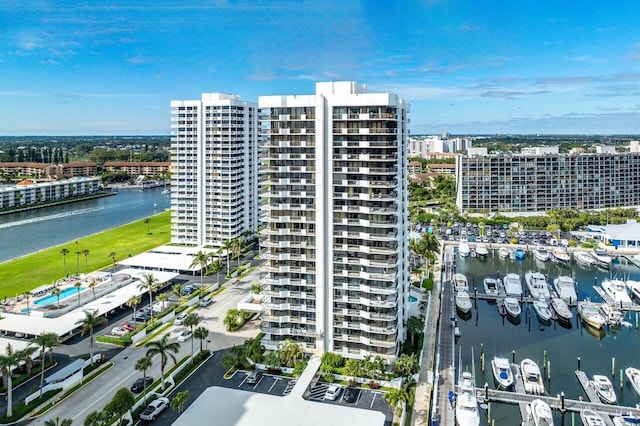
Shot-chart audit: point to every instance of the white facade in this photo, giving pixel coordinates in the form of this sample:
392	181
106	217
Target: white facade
40	192
540	150
214	192
334	203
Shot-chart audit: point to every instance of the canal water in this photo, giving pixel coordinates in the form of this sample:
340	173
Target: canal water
26	232
489	333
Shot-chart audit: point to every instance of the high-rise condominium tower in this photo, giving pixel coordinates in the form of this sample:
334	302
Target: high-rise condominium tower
335	220
214	146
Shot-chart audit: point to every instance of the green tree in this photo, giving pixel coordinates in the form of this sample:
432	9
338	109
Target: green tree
112	256
85	253
232	319
191	321
133	302
200	260
227	247
26	355
290	353
162	297
56	292
406	365
95	418
64	252
78	253
58	422
216	267
27	295
255	288
143	364
415	326
149	283
201	333
176	290
77	286
88	323
8	361
396	398
254	349
146	222
44	341
237	245
179	401
165	349
92	286
121	402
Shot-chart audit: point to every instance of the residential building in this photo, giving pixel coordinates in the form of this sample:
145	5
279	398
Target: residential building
537	183
138	168
334	204
49	171
214	182
540	150
442	168
29	192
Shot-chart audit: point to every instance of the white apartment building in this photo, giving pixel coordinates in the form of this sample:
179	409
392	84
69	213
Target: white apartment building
214	181
334	205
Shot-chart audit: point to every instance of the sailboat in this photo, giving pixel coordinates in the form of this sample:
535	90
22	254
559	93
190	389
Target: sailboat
466	403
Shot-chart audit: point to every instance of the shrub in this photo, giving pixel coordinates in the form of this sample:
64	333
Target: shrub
332	360
374	385
115	340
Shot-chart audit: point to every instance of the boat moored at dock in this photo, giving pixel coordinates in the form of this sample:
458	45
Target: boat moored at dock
565	288
633	374
584	258
562	310
531	377
512	284
617	291
591	418
604	389
502	372
512	307
543	311
481	250
634	288
626	420
466	402
463	301
560	255
540	413
602	258
537	285
541	253
504	252
519	253
460	282
590	314
491	286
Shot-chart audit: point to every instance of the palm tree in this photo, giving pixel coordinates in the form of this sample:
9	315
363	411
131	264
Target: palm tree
216	267
56	292
44	341
201	333
88	323
191	321
64	252
233	318
290	352
112	255
92	286
58	422
163	348
133	302
176	290
146	222
26	356
77	286
178	402
162	297
78	253
200	259
143	364
7	362
27	295
85	252
236	247
396	398
227	246
149	283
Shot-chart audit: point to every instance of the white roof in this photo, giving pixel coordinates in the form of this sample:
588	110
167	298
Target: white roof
172	258
625	232
244	408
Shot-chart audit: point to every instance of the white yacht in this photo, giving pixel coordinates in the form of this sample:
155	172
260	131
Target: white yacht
634	288
481	250
633	374
602	258
541	253
512	285
560	255
537	285
460	282
562	310
584	258
466	402
603	387
543	311
590	314
502	372
504	252
463	301
531	377
617	290
540	413
463	247
626	420
612	315
512	306
565	288
491	286
591	418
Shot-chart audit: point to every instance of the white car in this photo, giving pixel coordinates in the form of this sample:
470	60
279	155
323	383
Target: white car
332	393
119	331
184	336
180	318
154	408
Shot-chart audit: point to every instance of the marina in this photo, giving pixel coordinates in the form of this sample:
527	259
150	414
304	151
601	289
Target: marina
558	344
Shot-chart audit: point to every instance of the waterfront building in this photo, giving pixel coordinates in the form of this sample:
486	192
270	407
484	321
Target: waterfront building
138	168
334	207
214	148
541	182
29	192
49	171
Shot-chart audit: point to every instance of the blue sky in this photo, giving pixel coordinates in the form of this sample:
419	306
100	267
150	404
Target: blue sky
467	67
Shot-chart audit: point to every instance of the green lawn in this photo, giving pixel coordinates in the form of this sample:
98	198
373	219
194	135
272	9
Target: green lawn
46	266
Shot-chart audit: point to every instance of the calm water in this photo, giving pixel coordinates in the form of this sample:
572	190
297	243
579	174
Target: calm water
486	330
24	233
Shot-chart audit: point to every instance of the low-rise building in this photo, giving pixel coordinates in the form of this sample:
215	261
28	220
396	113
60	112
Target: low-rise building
29	192
137	168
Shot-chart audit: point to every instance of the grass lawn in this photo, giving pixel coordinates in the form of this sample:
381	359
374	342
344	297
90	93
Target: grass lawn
47	266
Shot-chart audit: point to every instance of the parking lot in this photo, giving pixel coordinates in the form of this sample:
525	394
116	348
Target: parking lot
268	384
367	399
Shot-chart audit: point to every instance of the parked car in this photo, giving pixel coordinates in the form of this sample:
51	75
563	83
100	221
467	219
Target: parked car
350	394
140	384
254	377
141	317
154	408
188	289
333	392
119	331
205	302
184	336
127	327
180	318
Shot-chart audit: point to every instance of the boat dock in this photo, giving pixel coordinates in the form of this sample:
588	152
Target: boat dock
588	389
518	385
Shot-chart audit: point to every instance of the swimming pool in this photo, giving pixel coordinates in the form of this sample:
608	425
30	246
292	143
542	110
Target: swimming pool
412	299
52	298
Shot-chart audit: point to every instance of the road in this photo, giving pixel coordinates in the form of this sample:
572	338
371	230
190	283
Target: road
98	393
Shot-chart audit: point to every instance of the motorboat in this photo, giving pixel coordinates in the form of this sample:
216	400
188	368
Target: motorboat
635	259
463	301
504	252
591	418
466	403
481	250
491	286
612	315
541	253
560	255
634	288
590	314
512	306
584	258
565	288
463	248
633	374
626	420
543	311
602	258
604	389
531	377
512	284
540	413
519	253
502	372
562	310
537	285
617	291
460	282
